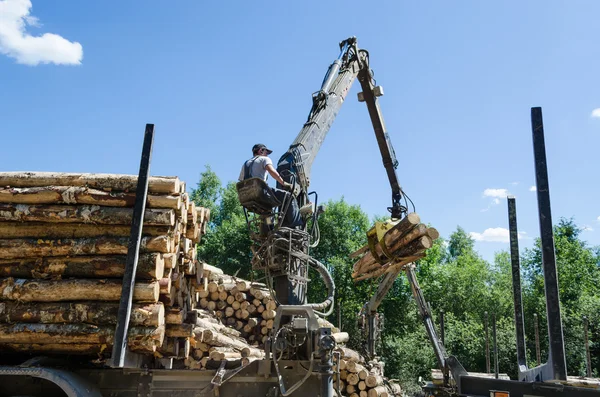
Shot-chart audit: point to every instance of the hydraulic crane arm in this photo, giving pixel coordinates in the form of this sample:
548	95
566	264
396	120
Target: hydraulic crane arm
297	162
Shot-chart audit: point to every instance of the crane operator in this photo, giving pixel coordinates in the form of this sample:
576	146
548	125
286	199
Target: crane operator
260	166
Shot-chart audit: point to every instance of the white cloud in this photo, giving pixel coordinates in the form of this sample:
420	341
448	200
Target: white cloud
587	228
497	193
598	219
495	234
533	188
17	43
595	113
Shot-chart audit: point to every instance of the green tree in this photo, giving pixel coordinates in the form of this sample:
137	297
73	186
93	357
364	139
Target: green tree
578	277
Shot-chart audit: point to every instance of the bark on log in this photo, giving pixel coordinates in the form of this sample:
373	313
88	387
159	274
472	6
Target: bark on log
392	235
379	391
341	337
373	380
82	214
175	316
76	230
392	266
150	266
179	330
140	338
217	339
19	248
82	195
169	347
96	313
120	182
73	290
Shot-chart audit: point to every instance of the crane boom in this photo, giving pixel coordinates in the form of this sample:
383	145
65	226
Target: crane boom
297	162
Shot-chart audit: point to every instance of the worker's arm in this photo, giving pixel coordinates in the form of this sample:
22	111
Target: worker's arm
273	172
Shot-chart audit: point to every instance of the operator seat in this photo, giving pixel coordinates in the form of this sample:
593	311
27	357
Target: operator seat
256	196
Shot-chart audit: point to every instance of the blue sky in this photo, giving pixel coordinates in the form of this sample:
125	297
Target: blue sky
215	78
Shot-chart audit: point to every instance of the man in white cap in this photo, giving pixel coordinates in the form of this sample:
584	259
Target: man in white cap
260	166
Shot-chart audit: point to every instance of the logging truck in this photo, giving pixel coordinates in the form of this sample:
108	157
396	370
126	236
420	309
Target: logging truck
102	293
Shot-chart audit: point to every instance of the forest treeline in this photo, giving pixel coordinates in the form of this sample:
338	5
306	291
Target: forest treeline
454	278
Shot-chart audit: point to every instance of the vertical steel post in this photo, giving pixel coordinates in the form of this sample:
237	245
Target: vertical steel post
516	279
487	345
556	356
538	353
442	331
124	313
496	369
588	357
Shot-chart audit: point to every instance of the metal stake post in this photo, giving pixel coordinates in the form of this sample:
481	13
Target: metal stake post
516	278
124	313
556	344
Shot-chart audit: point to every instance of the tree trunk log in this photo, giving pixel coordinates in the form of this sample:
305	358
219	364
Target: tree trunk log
140	338
150	266
392	235
374	380
19	248
379	391
109	182
341	337
82	195
82	214
180	330
76	230
96	313
73	290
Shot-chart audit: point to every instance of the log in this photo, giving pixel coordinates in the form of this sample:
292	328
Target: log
184	348
73	290
76	230
156	184
82	195
169	347
417	245
179	330
97	313
82	214
19	248
217	339
402	227
139	338
208	270
150	266
175	316
361	385
354	367
434	234
373	380
395	389
379	391
340	337
349	354
392	266
352	379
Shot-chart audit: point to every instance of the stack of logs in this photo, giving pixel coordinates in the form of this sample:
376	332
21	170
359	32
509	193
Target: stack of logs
360	379
402	244
63	245
246	311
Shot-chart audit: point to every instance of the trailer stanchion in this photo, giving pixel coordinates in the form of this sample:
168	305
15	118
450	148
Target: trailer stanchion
120	341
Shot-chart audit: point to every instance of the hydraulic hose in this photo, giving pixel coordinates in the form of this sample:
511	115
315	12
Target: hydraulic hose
327	279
